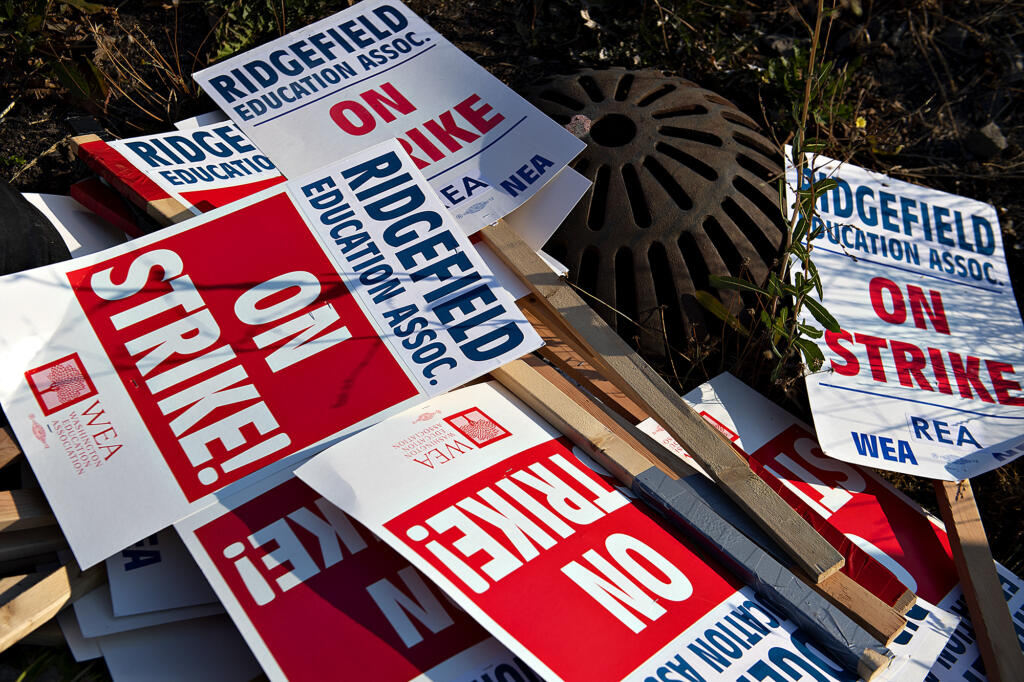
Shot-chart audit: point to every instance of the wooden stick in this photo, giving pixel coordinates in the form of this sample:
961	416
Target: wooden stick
131	182
25	543
851	645
41	602
997	638
9	449
568	316
22	509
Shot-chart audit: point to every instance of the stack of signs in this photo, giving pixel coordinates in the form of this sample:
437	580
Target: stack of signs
144	379
925	376
375	72
860	505
530	538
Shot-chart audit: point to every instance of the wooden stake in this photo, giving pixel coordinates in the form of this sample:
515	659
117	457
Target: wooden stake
995	633
9	449
27	543
570	317
41	602
22	509
851	645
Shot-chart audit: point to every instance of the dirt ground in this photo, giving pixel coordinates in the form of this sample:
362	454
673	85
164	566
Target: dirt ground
925	91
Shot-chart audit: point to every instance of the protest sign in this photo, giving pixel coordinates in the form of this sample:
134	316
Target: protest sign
96	615
858	503
82	230
154	574
298	576
82	648
374	72
203	168
536	542
925	376
200	650
145	378
206	119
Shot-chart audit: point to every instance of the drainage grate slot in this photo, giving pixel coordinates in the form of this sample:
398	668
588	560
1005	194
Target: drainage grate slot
768	207
750	230
740	120
586	276
691	162
691	135
592	89
759	147
724	245
677	112
599	198
694	259
653	97
668	183
666	294
622	89
637	200
625	293
755	168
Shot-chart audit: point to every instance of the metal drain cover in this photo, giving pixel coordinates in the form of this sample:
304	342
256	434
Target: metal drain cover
684	187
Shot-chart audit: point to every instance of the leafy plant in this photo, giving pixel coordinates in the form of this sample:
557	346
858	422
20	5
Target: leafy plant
794	289
242	24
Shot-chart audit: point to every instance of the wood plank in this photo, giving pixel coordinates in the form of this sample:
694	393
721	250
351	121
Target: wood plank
42	601
569	316
997	638
850	644
22	509
9	449
25	543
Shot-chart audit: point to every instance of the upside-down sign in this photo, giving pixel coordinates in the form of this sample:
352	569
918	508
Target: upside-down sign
376	71
924	377
312	591
535	542
142	379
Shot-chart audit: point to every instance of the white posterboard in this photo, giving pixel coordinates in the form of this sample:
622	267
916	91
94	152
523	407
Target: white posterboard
204	167
154	574
858	503
142	380
536	542
925	376
376	71
83	231
96	617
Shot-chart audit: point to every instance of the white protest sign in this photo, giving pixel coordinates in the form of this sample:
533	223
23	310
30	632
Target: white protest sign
537	544
200	120
96	615
82	648
203	168
82	230
201	650
163	370
858	503
154	574
298	576
376	71
925	376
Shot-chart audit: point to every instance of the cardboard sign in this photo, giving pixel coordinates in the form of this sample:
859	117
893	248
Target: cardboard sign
925	376
203	168
855	501
82	230
96	617
536	542
143	379
155	574
201	650
298	576
374	72
82	648
206	119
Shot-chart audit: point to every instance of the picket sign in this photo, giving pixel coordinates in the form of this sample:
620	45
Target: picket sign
923	377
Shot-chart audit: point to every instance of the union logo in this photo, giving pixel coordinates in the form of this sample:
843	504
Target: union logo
60	383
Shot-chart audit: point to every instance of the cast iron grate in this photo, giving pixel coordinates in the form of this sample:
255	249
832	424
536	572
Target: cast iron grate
684	186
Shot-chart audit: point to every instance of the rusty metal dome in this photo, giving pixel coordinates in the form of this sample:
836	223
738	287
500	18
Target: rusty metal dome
684	186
